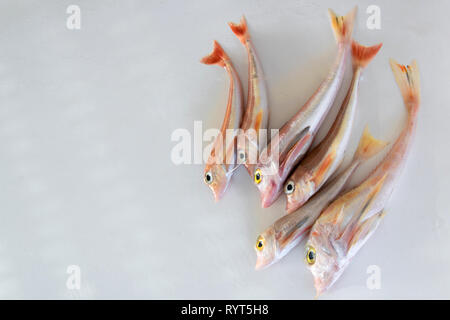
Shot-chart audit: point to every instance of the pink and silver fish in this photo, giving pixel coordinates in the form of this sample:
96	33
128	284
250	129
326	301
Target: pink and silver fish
344	227
222	160
288	231
323	160
256	116
286	148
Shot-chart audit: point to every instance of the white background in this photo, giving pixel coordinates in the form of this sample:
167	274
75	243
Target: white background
86	177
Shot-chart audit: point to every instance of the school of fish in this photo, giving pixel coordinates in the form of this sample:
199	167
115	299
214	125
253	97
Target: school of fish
335	221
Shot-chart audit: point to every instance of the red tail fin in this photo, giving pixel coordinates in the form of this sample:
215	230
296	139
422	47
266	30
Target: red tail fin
217	56
362	55
240	30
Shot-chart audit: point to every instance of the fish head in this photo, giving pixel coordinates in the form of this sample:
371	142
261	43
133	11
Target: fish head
267	180
266	249
298	189
322	259
216	178
270	194
268	187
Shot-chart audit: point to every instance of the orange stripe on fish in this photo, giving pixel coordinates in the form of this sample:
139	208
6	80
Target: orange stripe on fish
258	120
324	167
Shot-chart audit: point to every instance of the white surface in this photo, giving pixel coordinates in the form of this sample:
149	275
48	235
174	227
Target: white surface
86	176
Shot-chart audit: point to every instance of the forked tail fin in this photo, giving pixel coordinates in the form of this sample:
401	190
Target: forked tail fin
342	25
362	55
217	56
240	30
368	146
407	78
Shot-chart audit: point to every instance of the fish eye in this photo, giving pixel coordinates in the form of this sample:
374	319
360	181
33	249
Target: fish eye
241	155
208	177
260	242
311	255
290	187
258	176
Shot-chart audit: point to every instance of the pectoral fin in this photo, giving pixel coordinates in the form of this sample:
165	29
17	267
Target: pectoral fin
340	216
296	232
296	151
364	231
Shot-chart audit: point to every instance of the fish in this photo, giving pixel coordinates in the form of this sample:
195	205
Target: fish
288	231
287	147
350	220
256	116
222	162
320	164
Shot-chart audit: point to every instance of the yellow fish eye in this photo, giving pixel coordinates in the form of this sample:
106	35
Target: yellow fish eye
311	255
260	242
258	176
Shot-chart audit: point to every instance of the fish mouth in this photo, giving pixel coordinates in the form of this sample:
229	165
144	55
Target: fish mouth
218	192
266	202
319	287
291	206
269	197
296	200
261	264
217	196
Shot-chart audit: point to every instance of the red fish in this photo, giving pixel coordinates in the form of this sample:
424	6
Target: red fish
222	160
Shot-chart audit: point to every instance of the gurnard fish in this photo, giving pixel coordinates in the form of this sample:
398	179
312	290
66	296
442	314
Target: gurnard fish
222	160
287	147
348	222
256	114
288	231
323	160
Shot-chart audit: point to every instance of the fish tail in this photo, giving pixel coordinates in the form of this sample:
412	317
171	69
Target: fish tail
342	25
368	146
217	56
240	30
362	55
407	78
